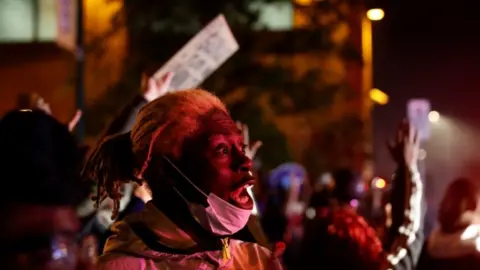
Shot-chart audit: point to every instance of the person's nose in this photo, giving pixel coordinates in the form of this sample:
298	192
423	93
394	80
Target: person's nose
243	163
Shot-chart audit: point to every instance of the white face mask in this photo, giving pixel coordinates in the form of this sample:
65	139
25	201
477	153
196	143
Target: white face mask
220	217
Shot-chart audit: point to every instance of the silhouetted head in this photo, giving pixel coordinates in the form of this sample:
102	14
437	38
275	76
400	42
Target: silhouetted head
461	197
346	186
40	163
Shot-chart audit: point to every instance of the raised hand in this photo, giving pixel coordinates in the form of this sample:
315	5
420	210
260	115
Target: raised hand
405	148
251	149
75	119
41	104
154	88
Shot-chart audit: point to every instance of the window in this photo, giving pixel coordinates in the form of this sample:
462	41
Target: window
23	21
275	16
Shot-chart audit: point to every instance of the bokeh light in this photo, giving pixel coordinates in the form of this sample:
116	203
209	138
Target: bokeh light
375	14
433	117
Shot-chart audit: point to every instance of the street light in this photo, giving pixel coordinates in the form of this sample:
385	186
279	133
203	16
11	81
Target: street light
378	96
304	2
367	72
375	14
433	117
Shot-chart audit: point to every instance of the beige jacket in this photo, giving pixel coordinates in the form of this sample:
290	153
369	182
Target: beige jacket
125	250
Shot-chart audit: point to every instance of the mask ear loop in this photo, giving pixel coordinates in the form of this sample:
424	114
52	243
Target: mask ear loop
149	157
184	176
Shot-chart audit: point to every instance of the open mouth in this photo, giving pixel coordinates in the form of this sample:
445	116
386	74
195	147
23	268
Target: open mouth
241	197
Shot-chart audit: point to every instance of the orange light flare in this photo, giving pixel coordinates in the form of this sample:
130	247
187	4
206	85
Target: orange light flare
379	183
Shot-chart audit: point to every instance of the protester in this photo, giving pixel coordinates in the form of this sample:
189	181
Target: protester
191	154
455	244
341	239
284	208
33	101
322	191
40	163
348	189
283	221
151	88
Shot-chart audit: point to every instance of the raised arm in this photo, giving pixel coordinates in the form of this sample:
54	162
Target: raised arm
152	88
405	239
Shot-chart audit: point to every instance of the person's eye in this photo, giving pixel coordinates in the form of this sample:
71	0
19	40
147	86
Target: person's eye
222	149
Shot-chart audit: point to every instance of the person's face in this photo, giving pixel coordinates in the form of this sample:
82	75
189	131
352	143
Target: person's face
42	237
219	162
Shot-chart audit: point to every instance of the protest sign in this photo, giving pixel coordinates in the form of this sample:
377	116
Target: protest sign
417	111
67	21
201	56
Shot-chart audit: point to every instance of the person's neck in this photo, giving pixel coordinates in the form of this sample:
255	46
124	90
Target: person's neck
176	209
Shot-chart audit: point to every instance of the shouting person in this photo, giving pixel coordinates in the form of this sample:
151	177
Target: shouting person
192	155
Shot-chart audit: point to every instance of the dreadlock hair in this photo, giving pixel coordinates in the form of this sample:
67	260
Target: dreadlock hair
160	130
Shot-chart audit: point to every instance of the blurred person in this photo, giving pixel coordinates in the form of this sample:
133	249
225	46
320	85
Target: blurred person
33	101
284	204
284	211
341	239
455	243
40	162
192	155
342	189
348	189
322	191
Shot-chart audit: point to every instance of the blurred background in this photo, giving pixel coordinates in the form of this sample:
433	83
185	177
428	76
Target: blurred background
320	82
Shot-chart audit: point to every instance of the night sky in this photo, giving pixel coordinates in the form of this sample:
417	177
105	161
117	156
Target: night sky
431	50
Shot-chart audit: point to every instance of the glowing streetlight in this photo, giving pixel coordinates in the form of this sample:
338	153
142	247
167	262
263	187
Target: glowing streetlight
433	117
375	14
378	96
304	2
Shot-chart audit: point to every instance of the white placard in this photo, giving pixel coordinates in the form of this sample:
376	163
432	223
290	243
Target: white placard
417	111
201	56
67	24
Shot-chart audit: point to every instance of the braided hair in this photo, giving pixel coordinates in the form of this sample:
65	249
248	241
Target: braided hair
160	130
